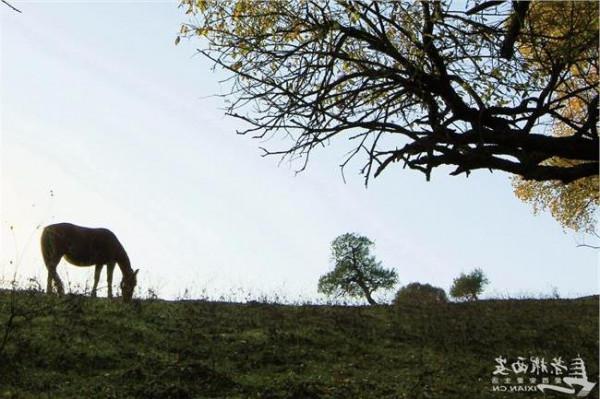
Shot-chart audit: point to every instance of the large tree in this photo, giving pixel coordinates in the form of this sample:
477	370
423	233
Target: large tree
425	84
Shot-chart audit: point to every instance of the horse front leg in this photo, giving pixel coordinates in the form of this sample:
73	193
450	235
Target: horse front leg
49	284
96	279
109	278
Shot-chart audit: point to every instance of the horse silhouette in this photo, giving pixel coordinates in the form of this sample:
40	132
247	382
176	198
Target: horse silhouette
84	246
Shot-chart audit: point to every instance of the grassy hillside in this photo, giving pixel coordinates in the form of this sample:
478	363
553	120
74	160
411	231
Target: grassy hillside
79	347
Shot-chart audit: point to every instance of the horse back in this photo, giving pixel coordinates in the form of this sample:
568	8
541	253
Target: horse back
82	246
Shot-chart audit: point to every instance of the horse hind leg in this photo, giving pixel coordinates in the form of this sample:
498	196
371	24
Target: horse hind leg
53	275
51	260
58	283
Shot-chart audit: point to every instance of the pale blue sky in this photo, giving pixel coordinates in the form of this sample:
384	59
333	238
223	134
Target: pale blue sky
101	107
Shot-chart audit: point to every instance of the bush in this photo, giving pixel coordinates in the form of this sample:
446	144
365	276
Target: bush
420	293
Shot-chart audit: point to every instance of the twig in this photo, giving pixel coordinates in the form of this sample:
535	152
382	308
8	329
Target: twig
588	246
11	6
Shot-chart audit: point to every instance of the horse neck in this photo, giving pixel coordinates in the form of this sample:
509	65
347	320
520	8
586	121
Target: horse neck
124	264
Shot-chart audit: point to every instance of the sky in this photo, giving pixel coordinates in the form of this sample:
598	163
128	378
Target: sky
106	123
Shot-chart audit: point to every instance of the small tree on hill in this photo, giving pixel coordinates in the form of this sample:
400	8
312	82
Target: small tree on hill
356	272
420	293
469	286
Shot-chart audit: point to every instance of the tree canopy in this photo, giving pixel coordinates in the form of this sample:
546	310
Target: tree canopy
573	205
425	84
356	272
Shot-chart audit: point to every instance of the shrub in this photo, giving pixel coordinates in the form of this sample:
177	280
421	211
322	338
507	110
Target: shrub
420	293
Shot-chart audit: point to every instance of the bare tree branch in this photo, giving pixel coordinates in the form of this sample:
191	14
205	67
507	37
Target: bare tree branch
422	84
517	19
484	6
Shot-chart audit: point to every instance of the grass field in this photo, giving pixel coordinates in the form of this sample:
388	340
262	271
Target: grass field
79	347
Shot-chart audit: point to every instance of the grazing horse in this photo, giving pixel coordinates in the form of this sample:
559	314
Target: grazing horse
83	246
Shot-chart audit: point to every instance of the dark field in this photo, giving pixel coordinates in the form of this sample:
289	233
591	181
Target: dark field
79	347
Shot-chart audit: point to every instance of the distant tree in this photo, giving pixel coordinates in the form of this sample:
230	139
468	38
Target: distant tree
469	286
420	293
356	273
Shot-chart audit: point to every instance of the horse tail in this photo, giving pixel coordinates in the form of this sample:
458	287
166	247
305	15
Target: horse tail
48	245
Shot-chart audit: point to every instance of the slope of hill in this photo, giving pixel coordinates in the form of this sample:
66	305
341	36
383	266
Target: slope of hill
79	347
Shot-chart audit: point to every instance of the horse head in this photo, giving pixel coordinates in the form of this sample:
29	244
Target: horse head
128	284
